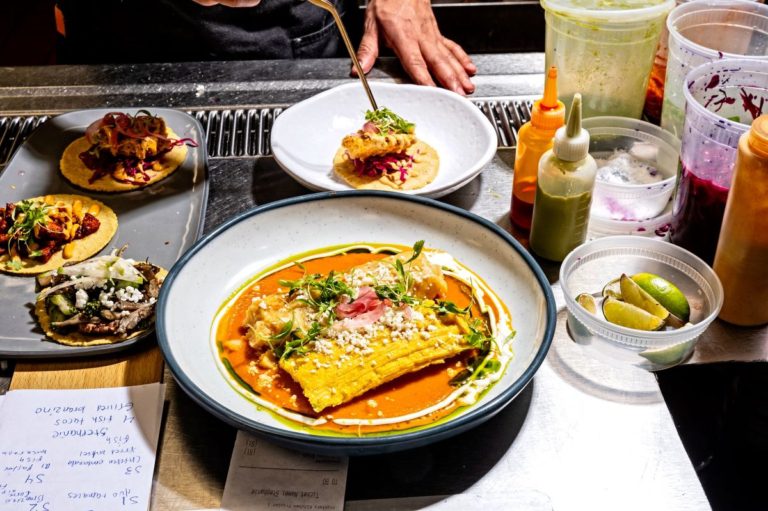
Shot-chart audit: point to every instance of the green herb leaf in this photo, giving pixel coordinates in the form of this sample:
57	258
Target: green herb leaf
284	332
448	307
389	122
417	247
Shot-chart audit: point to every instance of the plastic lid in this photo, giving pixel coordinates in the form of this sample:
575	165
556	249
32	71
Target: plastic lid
758	136
572	141
548	113
610	11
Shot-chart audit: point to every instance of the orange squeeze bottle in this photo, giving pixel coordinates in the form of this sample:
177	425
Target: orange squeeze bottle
534	139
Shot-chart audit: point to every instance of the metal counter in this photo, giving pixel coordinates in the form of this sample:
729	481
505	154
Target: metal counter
582	435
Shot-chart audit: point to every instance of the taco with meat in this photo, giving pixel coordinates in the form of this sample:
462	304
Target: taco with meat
104	300
386	155
43	233
122	152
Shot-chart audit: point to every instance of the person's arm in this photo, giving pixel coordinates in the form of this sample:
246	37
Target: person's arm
410	29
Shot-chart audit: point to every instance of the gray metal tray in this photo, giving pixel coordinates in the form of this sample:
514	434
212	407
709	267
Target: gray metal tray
159	222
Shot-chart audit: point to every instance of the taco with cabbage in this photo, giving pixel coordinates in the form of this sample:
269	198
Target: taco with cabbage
386	155
122	152
43	233
104	300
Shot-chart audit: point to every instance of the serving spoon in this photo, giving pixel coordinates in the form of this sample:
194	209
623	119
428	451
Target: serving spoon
328	6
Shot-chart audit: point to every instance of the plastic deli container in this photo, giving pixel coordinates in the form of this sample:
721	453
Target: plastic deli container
637	168
723	97
604	50
657	227
591	266
703	31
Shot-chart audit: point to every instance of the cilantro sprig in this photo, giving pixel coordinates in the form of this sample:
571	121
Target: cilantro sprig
26	215
389	122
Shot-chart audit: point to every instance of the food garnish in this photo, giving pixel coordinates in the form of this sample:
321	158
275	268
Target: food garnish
66	227
123	152
388	122
103	300
333	339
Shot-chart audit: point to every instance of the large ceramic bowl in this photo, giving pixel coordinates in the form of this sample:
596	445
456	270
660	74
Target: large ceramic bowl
220	263
306	136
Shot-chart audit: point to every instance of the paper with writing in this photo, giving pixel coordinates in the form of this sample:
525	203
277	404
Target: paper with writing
264	476
79	450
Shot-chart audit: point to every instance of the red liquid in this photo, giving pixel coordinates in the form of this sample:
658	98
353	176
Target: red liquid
522	213
698	215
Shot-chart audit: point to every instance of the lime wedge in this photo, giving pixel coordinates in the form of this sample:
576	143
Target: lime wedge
587	301
632	293
612	289
666	293
671	355
630	316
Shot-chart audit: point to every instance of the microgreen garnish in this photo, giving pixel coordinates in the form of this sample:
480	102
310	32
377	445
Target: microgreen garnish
26	215
399	292
298	344
448	307
389	122
322	294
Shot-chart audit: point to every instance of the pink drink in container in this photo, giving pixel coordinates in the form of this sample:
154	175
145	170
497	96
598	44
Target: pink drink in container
722	100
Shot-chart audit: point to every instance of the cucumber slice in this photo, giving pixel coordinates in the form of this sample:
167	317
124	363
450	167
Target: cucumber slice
63	304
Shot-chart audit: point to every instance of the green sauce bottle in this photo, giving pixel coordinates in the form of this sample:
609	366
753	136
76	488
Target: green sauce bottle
564	186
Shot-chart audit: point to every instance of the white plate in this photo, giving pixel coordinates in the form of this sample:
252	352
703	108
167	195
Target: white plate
307	135
220	263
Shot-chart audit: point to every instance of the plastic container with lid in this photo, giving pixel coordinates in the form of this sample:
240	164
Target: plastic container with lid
591	266
534	139
723	97
604	50
741	260
564	186
705	31
637	168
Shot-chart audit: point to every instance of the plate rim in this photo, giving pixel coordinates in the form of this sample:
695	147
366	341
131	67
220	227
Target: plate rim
487	156
104	349
486	410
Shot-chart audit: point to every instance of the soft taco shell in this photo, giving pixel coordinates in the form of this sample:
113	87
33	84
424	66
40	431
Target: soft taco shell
78	339
75	171
84	248
424	171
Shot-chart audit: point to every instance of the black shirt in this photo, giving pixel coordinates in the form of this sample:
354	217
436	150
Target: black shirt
123	31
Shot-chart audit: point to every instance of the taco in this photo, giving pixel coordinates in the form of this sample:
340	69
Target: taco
43	233
121	152
386	155
103	300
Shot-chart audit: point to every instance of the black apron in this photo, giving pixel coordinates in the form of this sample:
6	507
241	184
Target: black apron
132	31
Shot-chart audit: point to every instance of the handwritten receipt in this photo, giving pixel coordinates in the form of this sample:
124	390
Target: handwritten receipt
264	476
79	450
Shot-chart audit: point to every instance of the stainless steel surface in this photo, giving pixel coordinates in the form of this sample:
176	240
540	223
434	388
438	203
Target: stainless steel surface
582	436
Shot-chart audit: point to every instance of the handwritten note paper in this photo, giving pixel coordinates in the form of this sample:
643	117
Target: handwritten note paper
263	476
79	450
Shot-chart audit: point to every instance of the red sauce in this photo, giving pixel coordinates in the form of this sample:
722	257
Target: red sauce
407	394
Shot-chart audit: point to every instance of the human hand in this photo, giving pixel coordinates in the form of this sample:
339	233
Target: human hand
410	29
229	3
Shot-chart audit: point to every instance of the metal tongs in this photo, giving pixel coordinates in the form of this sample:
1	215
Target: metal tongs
328	6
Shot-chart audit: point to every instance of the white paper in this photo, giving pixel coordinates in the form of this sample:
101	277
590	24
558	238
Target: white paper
263	476
79	450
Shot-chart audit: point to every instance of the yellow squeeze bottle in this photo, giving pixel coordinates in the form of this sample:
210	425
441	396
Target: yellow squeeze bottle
533	140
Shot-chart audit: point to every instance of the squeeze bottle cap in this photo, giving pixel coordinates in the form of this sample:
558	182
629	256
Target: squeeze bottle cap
572	141
548	113
758	136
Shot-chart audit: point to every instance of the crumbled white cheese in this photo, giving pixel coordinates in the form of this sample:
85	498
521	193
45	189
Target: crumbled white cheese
81	298
129	294
105	299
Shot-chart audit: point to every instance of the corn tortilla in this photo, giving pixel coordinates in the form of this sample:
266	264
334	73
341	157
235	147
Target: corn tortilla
425	166
77	338
83	248
75	171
